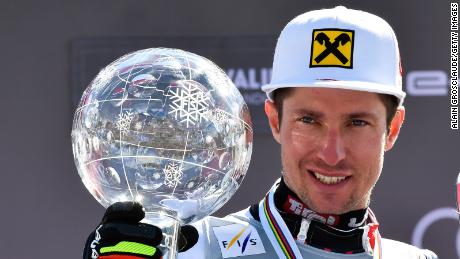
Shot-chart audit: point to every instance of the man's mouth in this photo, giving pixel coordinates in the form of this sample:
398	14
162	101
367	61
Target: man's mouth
329	180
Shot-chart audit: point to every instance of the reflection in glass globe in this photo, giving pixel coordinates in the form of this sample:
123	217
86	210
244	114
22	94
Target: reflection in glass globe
164	127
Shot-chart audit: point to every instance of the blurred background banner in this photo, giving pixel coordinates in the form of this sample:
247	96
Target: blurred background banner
51	50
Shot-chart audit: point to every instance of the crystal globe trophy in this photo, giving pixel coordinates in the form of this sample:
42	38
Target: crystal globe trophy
166	128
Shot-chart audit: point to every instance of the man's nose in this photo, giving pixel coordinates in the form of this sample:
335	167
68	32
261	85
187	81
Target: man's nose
332	149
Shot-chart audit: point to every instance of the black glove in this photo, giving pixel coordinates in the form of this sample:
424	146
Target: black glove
121	234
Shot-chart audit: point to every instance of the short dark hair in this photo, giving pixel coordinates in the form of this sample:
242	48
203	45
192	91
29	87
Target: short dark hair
390	102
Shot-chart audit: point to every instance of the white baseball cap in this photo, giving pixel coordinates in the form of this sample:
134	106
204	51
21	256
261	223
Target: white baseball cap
338	48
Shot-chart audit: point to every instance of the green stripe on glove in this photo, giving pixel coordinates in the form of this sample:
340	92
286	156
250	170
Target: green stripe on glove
130	247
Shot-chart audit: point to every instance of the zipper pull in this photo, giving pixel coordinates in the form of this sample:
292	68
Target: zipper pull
302	236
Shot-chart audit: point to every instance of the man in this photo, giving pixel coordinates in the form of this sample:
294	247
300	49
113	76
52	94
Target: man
335	107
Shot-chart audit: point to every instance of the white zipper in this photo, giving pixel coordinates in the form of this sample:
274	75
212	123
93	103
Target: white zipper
302	236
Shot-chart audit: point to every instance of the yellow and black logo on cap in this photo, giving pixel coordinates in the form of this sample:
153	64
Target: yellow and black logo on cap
332	48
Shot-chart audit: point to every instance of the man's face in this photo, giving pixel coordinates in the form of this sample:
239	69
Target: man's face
332	145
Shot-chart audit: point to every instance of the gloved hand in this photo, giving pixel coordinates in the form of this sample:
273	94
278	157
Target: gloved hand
121	235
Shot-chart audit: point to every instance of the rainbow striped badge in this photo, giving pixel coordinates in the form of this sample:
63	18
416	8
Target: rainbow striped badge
278	233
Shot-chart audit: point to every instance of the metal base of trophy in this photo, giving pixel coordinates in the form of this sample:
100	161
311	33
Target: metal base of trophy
168	222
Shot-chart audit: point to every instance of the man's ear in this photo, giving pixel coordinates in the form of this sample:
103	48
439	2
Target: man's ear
395	127
272	114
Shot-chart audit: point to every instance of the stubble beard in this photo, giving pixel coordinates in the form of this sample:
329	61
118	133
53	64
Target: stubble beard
354	202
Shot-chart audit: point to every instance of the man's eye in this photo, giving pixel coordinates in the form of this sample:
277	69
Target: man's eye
359	123
307	119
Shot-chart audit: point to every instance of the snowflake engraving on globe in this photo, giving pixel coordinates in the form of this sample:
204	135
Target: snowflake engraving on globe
164	127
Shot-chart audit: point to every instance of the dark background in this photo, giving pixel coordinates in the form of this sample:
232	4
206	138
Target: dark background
47	213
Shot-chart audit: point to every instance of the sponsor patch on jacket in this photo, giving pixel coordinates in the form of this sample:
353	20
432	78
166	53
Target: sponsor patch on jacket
238	240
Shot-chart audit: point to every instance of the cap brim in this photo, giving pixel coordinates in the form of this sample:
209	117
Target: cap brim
348	85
